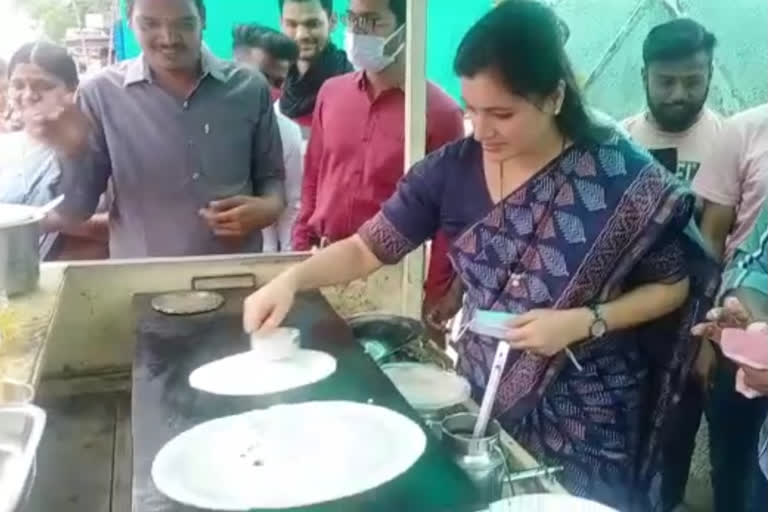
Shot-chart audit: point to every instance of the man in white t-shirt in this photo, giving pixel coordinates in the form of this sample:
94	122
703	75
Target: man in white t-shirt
677	73
679	130
273	53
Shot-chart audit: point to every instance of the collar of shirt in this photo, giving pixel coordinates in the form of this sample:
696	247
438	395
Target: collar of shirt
138	69
363	83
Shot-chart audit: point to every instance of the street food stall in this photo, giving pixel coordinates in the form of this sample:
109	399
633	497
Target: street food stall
109	373
112	377
103	366
123	410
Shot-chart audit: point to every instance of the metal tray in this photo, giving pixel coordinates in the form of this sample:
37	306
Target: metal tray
21	428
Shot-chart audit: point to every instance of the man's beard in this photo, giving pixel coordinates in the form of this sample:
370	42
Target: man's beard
677	121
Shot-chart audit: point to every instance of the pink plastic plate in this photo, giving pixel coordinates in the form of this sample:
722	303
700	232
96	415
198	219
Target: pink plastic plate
746	348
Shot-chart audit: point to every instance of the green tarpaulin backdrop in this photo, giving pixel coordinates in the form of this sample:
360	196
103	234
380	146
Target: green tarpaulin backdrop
605	44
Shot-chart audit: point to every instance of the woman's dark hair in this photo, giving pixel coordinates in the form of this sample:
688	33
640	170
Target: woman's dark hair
52	58
522	42
200	4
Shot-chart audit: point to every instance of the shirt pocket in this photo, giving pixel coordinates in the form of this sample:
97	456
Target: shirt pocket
226	152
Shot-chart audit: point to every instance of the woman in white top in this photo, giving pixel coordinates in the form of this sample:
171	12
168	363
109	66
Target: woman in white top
39	75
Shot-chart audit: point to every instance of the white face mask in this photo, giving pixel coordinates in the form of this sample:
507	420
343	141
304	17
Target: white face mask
366	52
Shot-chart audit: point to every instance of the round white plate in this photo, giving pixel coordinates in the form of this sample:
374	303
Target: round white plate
548	503
287	456
426	387
248	374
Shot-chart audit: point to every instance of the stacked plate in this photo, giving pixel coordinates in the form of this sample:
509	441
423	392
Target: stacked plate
427	388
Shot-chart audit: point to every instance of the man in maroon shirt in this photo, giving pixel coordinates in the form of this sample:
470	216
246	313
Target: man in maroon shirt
356	148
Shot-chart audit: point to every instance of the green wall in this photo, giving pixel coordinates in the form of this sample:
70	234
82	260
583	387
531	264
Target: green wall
445	30
603	49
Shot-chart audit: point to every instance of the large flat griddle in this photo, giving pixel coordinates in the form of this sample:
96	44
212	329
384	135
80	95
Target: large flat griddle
169	348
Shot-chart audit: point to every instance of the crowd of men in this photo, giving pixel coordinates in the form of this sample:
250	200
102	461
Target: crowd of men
179	153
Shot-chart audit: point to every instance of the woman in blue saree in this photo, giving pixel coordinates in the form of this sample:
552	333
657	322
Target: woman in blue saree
570	226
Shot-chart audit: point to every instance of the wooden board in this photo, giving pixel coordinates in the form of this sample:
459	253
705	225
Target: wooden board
74	463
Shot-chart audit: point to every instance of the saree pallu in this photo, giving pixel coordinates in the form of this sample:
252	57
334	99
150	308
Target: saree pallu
596	222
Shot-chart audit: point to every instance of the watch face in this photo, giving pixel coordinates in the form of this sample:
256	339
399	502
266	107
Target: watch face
598	329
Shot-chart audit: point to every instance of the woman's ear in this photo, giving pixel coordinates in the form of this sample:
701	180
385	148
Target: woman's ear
559	98
553	103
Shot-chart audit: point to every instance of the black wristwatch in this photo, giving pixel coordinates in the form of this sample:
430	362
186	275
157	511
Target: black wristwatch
598	327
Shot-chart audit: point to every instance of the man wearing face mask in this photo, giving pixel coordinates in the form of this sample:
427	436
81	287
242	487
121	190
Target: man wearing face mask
355	155
677	73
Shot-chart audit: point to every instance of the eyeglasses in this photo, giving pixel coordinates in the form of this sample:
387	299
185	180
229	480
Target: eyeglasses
361	22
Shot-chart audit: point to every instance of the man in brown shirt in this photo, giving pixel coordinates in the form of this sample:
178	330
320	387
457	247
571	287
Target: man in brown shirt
190	143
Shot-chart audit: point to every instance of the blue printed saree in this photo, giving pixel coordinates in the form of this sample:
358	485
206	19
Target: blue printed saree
595	222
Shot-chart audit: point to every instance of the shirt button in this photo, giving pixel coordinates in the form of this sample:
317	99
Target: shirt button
196	176
186	105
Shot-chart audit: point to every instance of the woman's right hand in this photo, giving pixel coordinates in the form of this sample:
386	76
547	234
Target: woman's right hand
266	308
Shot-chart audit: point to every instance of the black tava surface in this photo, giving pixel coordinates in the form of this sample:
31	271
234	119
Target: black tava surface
164	405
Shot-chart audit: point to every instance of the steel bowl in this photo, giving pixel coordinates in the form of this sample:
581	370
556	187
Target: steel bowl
19	249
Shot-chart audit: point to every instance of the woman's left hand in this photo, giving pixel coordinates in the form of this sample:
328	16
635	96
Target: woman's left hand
548	331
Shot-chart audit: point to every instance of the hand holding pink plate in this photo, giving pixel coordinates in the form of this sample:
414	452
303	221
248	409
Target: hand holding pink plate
746	348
